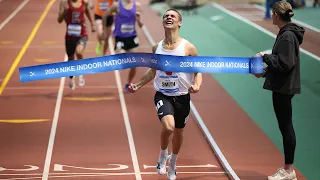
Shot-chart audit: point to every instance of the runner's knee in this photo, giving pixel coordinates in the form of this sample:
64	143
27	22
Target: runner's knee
79	51
79	55
168	129
178	131
108	33
168	123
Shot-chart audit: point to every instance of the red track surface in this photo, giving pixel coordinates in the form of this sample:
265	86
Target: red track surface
94	134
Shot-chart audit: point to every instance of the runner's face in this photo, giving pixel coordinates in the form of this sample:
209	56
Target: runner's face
171	20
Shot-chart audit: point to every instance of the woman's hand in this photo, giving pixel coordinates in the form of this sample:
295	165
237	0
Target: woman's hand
260	54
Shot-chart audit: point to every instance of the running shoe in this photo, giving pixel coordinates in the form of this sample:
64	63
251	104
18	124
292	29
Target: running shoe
172	171
282	174
161	165
72	84
98	48
81	81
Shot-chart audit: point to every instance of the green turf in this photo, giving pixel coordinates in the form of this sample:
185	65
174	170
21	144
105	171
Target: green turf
308	15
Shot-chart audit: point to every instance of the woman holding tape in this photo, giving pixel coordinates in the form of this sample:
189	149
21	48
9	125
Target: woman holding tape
282	77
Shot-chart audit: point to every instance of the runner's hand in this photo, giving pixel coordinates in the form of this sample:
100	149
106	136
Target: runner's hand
63	7
194	89
64	4
132	88
138	18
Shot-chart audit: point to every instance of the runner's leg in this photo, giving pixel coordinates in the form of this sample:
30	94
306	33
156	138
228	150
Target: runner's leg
132	71
182	110
99	27
70	46
165	112
131	45
81	45
108	33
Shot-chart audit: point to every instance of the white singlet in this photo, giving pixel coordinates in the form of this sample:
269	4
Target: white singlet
172	83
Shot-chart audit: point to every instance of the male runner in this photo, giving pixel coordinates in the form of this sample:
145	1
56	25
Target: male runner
72	12
100	7
172	98
128	12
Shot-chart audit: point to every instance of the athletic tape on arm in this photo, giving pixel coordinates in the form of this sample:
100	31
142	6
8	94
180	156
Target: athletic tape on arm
168	63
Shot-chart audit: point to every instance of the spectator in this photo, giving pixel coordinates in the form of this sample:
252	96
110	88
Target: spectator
283	79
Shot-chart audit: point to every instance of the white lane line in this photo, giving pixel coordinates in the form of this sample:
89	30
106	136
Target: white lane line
293	20
258	27
133	152
69	175
13	14
46	168
202	125
237	5
216	18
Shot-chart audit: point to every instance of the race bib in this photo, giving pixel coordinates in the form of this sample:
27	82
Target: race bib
169	84
74	30
103	6
127	28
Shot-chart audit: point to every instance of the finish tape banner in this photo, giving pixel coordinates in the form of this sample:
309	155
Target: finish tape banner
168	63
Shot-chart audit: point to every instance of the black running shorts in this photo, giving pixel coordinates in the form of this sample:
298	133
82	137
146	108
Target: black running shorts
109	20
177	106
126	43
72	44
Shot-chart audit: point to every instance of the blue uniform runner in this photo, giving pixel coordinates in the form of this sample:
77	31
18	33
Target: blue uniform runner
125	21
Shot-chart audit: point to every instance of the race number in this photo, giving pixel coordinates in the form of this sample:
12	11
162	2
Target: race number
127	28
103	6
74	29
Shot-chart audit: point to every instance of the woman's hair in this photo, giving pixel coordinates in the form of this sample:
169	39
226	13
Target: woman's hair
284	10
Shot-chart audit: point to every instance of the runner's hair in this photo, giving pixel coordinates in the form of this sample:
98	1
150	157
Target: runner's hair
172	9
284	10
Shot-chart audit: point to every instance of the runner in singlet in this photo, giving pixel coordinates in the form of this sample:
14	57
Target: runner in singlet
128	13
73	13
172	97
104	28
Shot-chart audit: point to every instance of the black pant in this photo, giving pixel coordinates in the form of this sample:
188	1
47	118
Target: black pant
283	110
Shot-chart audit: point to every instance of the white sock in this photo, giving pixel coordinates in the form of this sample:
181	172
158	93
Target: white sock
173	160
163	153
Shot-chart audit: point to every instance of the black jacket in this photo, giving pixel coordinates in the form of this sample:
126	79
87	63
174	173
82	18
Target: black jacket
283	70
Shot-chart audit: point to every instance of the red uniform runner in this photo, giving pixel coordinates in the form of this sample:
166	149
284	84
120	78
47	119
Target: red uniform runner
75	21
